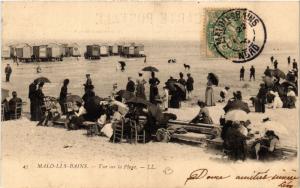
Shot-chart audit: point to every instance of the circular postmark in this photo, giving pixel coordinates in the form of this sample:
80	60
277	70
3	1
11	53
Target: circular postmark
239	35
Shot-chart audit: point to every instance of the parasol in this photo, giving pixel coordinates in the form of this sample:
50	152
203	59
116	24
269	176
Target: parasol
42	79
236	115
287	84
74	98
138	100
150	69
278	73
213	78
236	105
180	86
125	94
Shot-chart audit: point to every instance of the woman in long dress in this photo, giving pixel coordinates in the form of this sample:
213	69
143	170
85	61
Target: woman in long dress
209	93
40	108
154	82
140	88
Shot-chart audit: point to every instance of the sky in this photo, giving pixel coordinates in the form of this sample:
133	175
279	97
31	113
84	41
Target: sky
112	21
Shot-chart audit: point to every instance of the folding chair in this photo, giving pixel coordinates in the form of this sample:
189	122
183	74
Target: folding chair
17	112
118	131
138	134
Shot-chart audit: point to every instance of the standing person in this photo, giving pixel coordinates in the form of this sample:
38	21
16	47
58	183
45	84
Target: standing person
8	71
189	85
295	65
63	96
289	60
39	107
261	98
113	94
275	64
272	59
242	73
130	85
183	82
224	93
140	88
165	98
38	69
89	93
252	73
32	98
209	93
145	60
88	80
154	82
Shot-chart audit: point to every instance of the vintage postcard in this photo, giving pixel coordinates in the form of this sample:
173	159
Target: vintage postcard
149	94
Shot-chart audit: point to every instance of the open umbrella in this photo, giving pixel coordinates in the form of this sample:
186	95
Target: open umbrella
122	108
287	84
278	73
122	63
138	100
74	98
236	115
236	105
150	69
180	86
42	79
125	94
214	78
4	93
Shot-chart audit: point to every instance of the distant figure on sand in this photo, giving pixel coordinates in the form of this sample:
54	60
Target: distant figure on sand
252	73
88	80
242	73
63	96
123	65
209	93
203	115
154	82
145	59
272	59
182	81
189	85
38	69
8	71
275	64
289	60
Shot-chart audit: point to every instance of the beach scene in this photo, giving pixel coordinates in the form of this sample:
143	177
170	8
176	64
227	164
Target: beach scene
59	156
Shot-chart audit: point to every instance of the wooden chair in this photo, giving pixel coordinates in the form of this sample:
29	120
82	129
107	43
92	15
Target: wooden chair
138	134
2	112
17	112
91	128
118	131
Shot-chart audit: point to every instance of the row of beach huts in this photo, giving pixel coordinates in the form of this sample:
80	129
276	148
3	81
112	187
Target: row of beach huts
56	52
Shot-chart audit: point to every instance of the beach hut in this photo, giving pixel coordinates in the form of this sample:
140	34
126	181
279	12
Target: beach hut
92	52
54	51
139	50
12	50
65	50
40	52
24	52
104	50
128	50
5	52
74	50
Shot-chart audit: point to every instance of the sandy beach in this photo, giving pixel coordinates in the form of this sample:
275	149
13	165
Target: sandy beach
26	148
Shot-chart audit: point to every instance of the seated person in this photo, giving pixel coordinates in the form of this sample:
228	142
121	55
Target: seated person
265	147
223	94
234	141
291	98
203	115
12	103
276	103
76	117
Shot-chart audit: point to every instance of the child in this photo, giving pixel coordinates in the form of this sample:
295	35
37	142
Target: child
277	103
224	93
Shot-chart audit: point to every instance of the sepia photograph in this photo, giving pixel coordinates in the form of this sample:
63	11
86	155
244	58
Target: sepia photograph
149	94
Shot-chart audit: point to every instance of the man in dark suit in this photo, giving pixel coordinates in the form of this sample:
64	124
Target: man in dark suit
130	85
31	96
13	103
